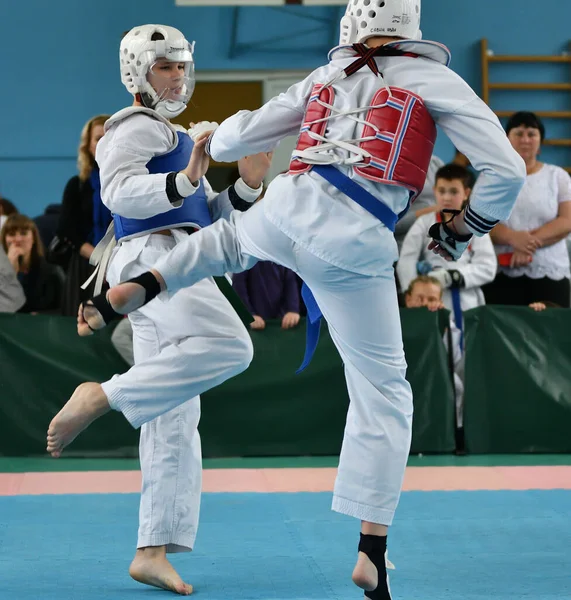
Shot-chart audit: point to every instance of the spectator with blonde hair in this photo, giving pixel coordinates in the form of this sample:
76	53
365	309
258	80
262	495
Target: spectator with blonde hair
84	218
42	282
424	291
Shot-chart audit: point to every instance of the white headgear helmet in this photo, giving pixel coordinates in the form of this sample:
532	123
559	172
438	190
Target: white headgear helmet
140	49
368	18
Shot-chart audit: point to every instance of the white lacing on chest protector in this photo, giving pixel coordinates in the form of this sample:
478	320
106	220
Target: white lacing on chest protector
343	152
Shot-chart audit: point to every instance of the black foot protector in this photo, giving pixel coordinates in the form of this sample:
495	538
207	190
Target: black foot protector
101	304
146	280
374	547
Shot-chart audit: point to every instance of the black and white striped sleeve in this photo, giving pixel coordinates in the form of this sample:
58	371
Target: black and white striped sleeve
478	224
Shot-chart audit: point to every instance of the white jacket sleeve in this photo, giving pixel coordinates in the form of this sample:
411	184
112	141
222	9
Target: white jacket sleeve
482	266
219	204
410	254
251	132
238	197
476	132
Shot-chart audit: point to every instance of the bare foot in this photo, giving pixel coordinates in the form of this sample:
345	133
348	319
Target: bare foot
95	320
365	573
151	567
87	403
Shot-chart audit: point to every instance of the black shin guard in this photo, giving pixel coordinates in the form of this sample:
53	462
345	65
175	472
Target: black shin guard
375	547
150	283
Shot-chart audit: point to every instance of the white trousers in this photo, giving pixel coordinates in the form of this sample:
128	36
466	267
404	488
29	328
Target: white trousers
122	340
184	344
364	323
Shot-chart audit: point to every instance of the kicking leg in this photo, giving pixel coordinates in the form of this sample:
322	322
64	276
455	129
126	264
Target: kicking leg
202	352
198	352
214	250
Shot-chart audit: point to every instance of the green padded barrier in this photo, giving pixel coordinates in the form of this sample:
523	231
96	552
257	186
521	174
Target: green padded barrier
518	380
266	411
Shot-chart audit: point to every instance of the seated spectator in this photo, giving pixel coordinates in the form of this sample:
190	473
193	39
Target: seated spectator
6	209
84	218
541	306
427	291
424	290
461	279
269	291
531	244
425	203
12	296
42	282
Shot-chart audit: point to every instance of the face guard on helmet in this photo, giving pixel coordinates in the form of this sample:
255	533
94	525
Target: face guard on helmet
157	64
369	18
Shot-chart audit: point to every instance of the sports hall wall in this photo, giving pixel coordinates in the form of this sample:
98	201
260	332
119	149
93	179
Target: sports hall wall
62	66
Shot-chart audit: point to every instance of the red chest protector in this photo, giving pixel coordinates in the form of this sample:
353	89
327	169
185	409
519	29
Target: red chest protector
313	112
400	151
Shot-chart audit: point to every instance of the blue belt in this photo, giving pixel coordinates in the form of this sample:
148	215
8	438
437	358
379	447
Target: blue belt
371	204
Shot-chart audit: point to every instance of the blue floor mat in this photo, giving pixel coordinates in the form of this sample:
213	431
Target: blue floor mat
445	545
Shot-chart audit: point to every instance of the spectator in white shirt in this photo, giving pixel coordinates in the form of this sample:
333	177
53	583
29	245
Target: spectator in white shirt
530	244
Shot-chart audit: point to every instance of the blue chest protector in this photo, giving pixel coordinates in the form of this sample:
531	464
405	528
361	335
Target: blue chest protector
101	214
193	211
